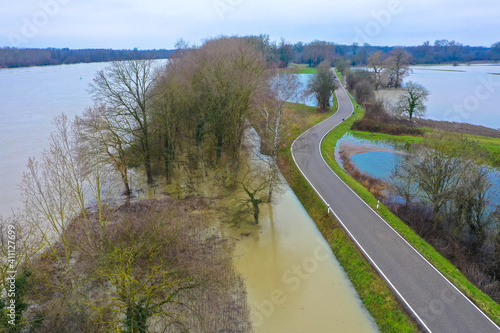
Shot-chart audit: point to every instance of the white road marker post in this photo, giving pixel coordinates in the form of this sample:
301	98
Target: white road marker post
378	203
328	205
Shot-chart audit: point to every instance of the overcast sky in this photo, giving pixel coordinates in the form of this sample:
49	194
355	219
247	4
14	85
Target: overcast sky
148	24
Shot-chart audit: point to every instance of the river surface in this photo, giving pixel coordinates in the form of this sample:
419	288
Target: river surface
30	98
467	94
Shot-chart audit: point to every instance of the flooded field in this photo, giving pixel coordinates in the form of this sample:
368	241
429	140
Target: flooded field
462	93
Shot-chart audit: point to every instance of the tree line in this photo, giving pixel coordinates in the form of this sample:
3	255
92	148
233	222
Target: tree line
281	53
11	57
315	52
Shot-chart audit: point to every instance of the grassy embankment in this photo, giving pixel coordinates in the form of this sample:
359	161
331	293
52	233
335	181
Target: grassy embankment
372	289
484	302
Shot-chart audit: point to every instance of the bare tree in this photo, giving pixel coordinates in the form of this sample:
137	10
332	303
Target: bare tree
203	104
438	170
59	189
379	72
342	65
402	182
104	136
411	100
397	63
143	286
126	89
472	203
271	104
255	183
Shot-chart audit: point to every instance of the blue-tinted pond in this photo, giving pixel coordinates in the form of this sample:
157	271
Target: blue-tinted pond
376	163
379	158
376	158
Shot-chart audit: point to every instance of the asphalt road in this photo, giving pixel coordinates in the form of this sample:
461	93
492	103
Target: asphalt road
436	304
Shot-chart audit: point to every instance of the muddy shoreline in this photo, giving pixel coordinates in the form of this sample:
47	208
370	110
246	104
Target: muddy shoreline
353	149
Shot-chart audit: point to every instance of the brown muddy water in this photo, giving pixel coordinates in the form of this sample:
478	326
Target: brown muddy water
294	282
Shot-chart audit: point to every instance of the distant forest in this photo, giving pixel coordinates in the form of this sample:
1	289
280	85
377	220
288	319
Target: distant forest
17	57
283	53
442	51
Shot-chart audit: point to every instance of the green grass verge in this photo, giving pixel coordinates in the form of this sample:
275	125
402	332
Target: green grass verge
484	302
307	70
339	75
490	145
376	296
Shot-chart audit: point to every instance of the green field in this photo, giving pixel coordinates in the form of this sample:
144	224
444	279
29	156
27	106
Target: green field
307	70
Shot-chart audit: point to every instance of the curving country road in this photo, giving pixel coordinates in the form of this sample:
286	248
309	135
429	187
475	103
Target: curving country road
437	305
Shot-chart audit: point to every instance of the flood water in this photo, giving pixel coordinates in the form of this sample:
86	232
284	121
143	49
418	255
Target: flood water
305	99
30	98
469	94
294	282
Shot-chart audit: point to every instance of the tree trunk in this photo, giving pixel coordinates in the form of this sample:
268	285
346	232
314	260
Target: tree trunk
127	192
256	211
149	173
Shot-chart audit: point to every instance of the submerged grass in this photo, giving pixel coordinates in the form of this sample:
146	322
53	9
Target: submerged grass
484	302
376	296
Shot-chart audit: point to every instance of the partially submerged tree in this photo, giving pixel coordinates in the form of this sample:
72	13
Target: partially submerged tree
398	65
322	85
255	184
438	170
379	72
125	88
105	138
411	100
203	101
402	182
272	100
